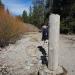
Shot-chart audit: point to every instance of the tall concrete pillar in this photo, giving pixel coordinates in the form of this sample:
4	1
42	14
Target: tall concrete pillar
54	31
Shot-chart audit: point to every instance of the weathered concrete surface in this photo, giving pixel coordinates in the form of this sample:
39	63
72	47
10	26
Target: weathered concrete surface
54	32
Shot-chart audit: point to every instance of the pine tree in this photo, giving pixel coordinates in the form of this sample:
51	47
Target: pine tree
30	15
24	16
1	3
38	13
30	11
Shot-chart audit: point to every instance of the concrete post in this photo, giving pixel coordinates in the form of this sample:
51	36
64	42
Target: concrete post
54	23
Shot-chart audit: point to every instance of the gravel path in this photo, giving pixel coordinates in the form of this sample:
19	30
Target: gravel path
67	53
23	58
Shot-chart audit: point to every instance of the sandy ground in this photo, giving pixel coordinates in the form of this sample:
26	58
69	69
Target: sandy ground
23	57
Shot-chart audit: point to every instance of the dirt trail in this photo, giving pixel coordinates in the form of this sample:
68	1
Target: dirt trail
23	58
67	53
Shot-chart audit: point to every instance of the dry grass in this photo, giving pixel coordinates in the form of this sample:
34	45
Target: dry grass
11	27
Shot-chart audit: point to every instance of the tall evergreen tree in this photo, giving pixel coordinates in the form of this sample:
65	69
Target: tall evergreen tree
24	16
0	2
30	19
30	11
38	13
